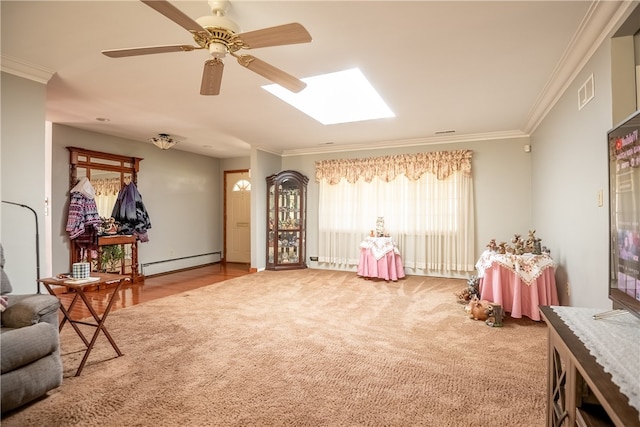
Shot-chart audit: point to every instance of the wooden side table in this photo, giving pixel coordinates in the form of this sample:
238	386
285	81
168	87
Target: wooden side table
78	287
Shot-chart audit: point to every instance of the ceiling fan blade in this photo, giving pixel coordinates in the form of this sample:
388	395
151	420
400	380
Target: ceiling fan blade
175	14
272	73
275	36
135	51
211	77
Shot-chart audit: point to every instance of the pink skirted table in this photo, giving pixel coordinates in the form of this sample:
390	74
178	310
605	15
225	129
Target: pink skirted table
519	283
380	259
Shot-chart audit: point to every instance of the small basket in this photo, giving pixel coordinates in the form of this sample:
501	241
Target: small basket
81	270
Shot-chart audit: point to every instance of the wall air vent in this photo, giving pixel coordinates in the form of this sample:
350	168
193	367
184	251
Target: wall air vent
586	93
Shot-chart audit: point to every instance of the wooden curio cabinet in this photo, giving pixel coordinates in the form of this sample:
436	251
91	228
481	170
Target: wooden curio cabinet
286	220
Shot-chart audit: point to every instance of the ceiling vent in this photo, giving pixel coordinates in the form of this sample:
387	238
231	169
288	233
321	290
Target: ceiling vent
585	93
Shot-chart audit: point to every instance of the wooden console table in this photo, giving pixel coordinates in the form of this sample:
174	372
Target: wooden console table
122	240
131	270
579	391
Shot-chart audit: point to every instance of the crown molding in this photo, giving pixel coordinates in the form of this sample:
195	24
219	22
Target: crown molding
598	24
269	150
436	140
25	70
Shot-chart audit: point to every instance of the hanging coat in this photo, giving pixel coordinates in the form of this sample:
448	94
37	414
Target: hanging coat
83	217
130	212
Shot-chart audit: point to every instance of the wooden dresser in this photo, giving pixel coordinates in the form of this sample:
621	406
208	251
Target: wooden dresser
579	391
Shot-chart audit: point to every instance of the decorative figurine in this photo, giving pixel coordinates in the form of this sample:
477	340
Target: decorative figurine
495	314
532	245
518	247
478	309
471	291
380	226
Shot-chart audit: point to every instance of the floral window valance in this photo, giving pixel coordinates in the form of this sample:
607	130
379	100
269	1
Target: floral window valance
413	166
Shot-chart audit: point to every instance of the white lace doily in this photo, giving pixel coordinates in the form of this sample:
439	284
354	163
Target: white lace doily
528	266
613	341
379	246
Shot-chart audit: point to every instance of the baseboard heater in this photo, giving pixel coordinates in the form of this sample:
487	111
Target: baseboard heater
147	264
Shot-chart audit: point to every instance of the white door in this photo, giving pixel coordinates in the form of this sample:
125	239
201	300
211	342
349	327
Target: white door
238	217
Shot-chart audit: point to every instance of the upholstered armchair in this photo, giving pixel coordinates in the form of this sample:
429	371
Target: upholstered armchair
29	345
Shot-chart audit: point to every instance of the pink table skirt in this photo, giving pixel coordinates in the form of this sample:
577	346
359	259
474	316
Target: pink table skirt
389	267
504	287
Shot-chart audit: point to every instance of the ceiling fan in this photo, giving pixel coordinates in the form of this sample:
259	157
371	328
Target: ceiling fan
220	36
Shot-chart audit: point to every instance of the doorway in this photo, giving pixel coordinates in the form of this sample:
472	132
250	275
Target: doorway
237	216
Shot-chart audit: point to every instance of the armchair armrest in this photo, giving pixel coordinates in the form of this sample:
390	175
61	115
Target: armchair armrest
26	310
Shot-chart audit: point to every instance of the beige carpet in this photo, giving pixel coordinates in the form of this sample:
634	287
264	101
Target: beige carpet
303	348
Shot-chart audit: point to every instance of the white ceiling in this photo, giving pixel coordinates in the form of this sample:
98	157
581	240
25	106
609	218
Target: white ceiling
483	69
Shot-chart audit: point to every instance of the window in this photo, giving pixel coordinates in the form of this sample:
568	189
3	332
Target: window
242	185
429	215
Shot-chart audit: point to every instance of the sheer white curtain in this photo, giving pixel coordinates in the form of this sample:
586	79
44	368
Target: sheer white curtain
431	217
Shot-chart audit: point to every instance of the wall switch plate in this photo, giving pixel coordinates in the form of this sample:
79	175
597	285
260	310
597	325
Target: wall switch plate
600	199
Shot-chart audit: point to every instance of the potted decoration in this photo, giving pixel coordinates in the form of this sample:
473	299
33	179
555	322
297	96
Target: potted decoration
111	257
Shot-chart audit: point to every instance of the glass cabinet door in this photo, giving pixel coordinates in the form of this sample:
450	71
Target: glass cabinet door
271	225
286	220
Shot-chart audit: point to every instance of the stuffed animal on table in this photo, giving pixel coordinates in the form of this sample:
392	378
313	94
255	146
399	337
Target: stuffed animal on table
492	245
518	248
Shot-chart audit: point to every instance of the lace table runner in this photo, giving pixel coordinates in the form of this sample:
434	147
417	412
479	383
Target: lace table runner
613	341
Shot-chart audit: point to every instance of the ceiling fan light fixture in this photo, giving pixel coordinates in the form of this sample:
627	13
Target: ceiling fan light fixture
217	50
213	22
163	141
221	36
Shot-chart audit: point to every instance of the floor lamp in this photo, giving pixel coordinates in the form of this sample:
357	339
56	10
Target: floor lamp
37	241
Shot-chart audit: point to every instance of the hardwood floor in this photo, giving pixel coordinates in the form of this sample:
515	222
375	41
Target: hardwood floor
153	287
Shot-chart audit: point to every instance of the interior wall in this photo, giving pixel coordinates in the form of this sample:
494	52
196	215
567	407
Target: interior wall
502	182
181	192
263	164
623	67
569	170
235	163
22	164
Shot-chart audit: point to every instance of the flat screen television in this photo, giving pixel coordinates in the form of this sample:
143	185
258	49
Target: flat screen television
623	143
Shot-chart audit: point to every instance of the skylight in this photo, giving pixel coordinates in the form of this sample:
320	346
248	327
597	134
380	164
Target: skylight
340	97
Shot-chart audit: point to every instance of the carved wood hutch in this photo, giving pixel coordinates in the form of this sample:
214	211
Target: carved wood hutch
286	220
118	170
